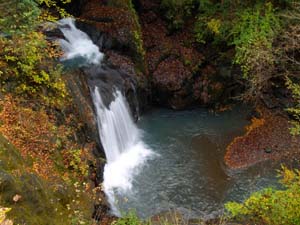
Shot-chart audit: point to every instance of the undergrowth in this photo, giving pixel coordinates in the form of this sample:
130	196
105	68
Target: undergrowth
28	62
271	206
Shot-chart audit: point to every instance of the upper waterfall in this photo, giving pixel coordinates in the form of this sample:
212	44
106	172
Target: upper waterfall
78	43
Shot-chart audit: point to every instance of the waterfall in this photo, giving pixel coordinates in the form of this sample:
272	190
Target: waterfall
77	44
121	139
118	132
122	143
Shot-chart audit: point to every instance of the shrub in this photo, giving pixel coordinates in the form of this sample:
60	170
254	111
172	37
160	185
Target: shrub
27	61
255	28
18	16
176	11
130	219
54	4
28	67
271	206
287	53
76	160
3	219
251	30
295	110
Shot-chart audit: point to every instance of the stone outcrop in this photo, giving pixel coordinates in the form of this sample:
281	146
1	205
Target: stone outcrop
182	75
82	104
167	68
114	27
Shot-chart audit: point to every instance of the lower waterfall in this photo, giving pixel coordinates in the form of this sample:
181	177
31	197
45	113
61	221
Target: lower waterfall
122	143
121	139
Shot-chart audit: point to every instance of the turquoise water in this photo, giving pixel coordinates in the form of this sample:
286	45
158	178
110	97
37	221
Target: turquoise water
188	174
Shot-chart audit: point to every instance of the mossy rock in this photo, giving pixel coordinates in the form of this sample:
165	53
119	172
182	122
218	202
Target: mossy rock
7	185
125	4
135	32
10	158
34	200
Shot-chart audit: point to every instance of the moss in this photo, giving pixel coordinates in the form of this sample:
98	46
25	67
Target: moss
177	11
125	4
136	32
34	200
10	158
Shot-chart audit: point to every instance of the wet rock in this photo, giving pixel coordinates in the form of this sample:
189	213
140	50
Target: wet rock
83	106
124	63
113	26
116	19
101	207
52	32
109	79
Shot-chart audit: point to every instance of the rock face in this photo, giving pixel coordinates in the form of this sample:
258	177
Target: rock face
141	46
181	74
75	7
81	83
77	83
171	64
146	62
110	79
170	82
114	27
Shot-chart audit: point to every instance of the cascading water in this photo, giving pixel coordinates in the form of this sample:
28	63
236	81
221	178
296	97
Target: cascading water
121	139
78	44
122	144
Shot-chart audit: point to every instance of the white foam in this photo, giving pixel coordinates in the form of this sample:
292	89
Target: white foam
121	140
78	43
119	175
122	143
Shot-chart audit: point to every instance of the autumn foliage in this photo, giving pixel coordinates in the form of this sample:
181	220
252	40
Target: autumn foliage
38	136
